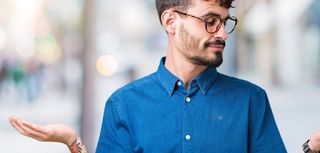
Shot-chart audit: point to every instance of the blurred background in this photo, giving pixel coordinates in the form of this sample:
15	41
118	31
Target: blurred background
60	61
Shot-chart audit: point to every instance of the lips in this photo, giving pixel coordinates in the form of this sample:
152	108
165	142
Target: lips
216	46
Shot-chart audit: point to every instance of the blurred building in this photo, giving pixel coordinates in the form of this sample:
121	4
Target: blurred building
278	41
39	40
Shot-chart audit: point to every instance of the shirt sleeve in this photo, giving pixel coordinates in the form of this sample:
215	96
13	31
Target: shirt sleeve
114	135
264	136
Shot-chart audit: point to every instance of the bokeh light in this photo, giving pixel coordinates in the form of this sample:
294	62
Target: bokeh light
47	49
106	65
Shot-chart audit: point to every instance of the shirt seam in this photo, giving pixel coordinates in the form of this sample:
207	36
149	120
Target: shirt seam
115	101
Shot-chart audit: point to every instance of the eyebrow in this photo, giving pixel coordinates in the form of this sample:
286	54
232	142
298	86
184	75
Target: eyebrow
209	14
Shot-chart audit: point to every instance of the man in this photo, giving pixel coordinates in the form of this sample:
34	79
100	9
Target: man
186	105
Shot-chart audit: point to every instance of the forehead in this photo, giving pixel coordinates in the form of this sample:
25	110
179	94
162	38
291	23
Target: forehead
202	7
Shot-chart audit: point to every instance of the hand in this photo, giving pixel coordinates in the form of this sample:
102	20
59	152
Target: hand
314	142
53	132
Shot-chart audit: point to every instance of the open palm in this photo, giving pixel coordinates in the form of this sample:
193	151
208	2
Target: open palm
53	132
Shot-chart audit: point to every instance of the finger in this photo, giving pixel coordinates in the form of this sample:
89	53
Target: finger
12	119
17	126
24	130
26	127
34	127
30	132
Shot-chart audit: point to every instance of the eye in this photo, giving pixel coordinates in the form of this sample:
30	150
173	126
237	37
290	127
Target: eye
212	21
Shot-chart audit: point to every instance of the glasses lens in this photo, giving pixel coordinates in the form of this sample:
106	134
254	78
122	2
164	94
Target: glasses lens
230	25
212	24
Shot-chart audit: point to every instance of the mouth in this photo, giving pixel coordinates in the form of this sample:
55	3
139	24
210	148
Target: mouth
217	45
215	48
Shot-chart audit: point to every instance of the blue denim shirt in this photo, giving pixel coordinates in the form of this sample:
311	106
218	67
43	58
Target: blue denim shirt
218	114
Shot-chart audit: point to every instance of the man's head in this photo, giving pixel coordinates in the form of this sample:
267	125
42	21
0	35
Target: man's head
197	29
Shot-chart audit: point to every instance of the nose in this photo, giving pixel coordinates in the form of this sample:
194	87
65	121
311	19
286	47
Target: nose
221	33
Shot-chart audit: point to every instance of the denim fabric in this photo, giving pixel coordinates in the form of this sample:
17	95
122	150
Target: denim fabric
218	114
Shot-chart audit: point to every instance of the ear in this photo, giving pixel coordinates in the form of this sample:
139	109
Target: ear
169	22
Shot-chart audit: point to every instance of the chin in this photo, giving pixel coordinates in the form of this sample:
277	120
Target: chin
215	61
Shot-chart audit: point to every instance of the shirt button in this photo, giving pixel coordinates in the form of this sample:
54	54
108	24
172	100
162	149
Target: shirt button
179	83
188	137
188	99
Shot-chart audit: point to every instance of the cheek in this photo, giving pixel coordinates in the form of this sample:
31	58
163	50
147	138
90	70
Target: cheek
200	38
192	40
198	44
202	43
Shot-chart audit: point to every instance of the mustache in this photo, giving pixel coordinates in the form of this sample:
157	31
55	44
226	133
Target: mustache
216	42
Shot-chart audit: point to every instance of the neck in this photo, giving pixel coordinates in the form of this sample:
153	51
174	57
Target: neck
181	67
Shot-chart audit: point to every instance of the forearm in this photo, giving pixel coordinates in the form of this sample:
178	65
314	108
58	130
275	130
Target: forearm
77	146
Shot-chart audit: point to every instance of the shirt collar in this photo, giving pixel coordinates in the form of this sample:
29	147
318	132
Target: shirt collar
167	79
205	80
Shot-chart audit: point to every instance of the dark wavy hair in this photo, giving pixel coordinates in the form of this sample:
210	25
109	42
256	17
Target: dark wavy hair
182	5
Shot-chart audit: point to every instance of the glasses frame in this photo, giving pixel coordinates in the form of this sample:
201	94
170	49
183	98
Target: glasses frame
233	18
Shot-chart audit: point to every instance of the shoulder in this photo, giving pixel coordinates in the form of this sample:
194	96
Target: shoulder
245	91
135	86
228	82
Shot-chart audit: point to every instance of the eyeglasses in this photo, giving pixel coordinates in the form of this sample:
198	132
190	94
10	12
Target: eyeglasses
213	23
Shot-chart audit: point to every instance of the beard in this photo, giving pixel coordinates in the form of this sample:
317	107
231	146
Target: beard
197	55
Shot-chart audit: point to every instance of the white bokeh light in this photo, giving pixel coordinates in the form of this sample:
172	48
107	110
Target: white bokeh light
106	65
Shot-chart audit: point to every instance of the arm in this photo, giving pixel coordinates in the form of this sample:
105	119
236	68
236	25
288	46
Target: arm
51	133
264	135
114	134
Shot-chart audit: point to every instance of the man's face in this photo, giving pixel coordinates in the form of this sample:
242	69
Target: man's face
195	43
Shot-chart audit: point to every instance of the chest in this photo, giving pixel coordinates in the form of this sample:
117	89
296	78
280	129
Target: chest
190	123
